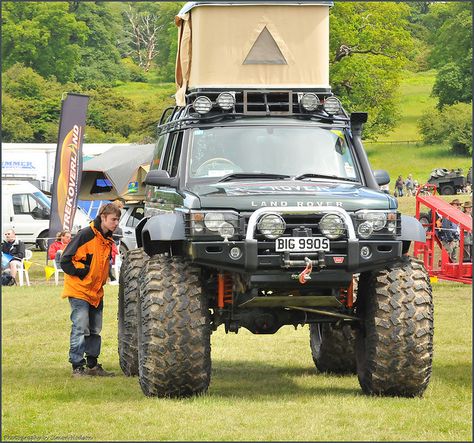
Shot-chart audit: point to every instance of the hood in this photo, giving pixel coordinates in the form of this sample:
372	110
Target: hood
245	195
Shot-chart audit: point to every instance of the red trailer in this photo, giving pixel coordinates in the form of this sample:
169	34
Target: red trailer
443	267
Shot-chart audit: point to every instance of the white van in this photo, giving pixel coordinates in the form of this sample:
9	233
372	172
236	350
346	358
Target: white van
26	210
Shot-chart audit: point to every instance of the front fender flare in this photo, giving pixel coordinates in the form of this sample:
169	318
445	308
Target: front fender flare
412	229
168	226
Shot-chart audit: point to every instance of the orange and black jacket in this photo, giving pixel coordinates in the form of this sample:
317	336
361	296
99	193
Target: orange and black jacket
85	262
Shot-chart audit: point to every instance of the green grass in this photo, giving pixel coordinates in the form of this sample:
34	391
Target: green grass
263	387
415	99
418	160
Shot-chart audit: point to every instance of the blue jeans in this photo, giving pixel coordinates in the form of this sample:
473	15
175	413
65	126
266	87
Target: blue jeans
86	327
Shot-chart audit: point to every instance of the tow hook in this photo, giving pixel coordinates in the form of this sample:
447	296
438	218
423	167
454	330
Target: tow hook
304	275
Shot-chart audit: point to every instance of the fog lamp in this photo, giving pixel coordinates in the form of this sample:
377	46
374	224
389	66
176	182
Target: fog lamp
271	225
332	226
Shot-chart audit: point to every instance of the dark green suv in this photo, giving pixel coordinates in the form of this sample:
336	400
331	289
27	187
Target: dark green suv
262	211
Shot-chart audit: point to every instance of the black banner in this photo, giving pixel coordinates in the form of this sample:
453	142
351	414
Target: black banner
68	165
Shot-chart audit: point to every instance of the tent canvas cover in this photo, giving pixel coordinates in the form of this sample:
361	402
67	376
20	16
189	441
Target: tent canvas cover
117	173
250	44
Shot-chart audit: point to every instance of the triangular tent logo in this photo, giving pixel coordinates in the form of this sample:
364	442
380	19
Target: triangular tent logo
265	51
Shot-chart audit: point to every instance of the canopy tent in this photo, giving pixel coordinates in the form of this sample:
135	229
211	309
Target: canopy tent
261	45
117	173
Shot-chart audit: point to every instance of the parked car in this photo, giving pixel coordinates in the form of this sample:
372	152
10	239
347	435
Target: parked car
26	209
132	213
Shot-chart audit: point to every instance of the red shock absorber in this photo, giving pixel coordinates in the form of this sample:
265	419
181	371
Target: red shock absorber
347	295
224	289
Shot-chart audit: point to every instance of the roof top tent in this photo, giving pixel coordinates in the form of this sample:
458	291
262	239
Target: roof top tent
252	45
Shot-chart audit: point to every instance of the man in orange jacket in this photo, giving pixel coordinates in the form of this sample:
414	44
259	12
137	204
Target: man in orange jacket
85	262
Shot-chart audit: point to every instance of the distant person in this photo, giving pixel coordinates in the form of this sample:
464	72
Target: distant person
63	238
409	186
449	234
399	186
467	208
85	262
13	252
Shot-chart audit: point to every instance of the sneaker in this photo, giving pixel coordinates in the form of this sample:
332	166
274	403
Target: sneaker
79	372
99	371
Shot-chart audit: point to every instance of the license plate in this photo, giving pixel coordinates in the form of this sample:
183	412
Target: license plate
301	244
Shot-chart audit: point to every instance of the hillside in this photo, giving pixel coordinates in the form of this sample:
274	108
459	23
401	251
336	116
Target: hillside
401	151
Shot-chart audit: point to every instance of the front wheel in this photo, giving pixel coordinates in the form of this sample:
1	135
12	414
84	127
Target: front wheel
394	346
174	346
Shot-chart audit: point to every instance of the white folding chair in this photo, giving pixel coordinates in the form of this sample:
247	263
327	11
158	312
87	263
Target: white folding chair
22	270
116	267
57	270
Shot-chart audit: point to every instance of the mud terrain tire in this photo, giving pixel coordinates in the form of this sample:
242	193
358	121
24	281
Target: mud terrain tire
174	346
394	348
333	348
128	299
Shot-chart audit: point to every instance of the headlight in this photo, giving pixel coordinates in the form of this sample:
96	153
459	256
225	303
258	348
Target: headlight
332	226
213	220
369	223
202	105
212	224
271	225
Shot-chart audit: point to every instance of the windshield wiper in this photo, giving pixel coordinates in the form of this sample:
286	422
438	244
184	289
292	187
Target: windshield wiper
244	175
311	175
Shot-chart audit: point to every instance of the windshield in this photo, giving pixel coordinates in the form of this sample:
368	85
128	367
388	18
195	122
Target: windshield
290	151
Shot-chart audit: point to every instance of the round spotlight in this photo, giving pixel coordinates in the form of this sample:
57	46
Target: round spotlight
310	101
226	230
365	229
202	105
226	101
332	226
271	225
213	220
332	105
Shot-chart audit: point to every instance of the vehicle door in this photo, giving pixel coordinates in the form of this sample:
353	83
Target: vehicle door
30	216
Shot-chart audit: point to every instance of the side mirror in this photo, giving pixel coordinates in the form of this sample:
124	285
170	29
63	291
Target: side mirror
381	177
159	177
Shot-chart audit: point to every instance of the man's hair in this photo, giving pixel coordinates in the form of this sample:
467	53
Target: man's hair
10	230
110	208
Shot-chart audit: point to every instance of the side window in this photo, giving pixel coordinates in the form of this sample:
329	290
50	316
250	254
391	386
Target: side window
172	154
28	204
135	217
158	151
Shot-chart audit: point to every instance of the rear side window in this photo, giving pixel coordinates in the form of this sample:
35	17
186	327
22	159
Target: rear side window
135	217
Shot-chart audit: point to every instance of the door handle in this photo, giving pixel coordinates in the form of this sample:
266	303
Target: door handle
127	232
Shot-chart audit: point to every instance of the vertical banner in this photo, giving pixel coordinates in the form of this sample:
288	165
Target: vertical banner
68	165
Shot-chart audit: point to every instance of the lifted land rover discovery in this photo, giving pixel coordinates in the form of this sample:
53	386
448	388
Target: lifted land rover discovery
262	211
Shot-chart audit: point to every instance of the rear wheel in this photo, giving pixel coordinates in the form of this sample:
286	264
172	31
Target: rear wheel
128	299
447	190
174	330
332	348
394	347
42	241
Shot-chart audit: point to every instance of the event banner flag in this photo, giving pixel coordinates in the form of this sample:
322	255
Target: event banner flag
68	165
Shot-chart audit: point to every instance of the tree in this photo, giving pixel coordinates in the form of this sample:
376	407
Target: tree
369	46
44	36
451	39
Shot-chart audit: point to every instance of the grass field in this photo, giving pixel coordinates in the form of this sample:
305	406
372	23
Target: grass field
263	387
